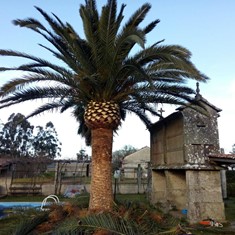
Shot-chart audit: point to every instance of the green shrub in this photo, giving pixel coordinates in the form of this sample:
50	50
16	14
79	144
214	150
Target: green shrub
230	175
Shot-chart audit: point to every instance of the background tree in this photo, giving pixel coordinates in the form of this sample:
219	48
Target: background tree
233	148
102	79
59	168
46	143
82	156
32	150
16	136
46	146
18	139
83	159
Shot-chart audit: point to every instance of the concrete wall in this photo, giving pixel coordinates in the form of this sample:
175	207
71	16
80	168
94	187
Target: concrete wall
48	189
70	168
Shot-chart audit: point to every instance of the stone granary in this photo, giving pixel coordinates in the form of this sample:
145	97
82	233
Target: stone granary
183	176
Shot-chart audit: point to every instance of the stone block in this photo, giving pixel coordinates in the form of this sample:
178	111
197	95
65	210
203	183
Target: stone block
198	211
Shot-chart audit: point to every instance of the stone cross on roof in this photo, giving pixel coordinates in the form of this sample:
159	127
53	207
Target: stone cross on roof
161	111
201	99
198	95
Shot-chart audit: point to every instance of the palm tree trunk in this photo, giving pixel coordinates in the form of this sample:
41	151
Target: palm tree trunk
101	197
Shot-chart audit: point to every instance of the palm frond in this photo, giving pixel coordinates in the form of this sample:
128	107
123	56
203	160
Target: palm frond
106	222
33	93
100	67
139	112
26	227
90	17
41	62
107	23
52	106
83	130
138	16
151	26
61	39
29	23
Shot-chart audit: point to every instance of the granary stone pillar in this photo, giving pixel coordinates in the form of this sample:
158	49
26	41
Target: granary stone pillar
158	192
176	188
224	183
204	196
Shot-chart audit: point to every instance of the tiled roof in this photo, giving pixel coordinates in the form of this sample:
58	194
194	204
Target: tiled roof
223	155
223	159
5	162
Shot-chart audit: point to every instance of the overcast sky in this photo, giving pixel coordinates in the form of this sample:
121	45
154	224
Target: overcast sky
205	27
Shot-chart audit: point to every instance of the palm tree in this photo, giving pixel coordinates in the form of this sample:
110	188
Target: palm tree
102	79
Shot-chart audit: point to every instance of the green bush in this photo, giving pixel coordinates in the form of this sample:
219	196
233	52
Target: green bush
230	175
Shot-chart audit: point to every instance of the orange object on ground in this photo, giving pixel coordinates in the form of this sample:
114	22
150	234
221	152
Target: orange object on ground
205	222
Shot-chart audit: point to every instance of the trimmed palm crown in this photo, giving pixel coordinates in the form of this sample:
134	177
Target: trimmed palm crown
103	79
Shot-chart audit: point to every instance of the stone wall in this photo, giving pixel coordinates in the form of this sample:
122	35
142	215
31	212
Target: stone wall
201	136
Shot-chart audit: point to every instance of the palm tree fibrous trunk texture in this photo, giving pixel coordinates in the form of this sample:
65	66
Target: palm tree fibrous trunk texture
101	196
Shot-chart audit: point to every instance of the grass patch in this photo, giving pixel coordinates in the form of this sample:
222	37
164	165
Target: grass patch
22	199
132	197
119	197
230	208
